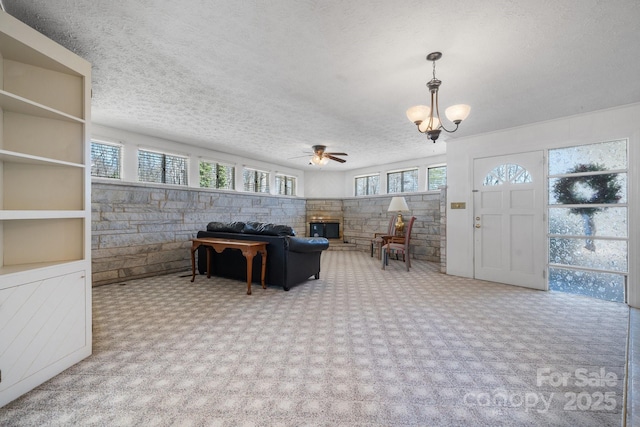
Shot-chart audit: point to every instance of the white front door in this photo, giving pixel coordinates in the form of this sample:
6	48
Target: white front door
509	231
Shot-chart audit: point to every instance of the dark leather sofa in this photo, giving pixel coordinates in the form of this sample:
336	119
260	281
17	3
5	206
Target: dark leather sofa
290	259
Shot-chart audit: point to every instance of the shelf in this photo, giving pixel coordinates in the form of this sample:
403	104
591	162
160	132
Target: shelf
21	105
13	157
45	220
13	49
20	268
17	215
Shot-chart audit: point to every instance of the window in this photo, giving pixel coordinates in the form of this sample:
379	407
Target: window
511	173
588	220
402	181
255	181
106	160
367	185
436	178
162	168
217	175
286	185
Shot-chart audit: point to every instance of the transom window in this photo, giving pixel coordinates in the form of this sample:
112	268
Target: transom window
367	185
286	185
106	160
162	168
217	175
402	181
507	173
255	181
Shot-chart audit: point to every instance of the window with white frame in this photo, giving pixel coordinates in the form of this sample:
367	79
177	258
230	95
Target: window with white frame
217	175
436	177
402	181
255	181
367	185
162	168
286	185
106	160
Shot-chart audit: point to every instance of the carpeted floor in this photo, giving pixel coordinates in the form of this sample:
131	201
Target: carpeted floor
360	346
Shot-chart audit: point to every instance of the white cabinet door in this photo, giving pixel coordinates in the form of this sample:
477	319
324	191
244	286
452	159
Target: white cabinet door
41	324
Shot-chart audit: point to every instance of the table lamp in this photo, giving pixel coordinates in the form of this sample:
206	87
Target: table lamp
398	204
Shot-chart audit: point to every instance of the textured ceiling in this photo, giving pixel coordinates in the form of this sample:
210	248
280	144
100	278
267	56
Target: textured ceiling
267	80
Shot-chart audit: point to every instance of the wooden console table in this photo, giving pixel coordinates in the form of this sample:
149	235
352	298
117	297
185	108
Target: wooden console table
249	249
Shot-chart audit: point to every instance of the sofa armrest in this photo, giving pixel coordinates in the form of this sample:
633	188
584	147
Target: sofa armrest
308	244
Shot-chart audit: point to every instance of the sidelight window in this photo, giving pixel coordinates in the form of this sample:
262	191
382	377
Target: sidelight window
588	220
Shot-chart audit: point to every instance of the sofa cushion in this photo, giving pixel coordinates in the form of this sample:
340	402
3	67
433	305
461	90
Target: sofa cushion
308	244
226	227
268	229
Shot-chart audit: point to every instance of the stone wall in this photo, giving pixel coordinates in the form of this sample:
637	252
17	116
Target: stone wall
363	216
143	230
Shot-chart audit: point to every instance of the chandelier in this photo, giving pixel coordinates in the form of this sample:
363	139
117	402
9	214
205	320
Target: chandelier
428	118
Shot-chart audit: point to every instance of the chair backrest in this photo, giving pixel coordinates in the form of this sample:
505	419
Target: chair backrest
391	231
407	234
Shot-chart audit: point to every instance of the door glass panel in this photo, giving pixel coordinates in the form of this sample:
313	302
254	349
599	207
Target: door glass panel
605	286
606	222
605	188
591	253
586	179
511	173
611	155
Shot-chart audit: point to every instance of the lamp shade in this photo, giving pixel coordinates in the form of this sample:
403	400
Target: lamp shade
418	113
398	204
457	113
424	126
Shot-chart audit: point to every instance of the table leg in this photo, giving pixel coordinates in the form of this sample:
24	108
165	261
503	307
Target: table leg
264	267
249	256
194	246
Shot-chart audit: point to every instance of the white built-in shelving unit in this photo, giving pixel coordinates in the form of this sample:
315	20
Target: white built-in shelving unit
45	209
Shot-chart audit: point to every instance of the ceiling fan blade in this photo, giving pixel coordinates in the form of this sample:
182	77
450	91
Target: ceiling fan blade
337	159
337	154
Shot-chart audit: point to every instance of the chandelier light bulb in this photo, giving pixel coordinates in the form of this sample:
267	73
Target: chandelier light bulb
424	126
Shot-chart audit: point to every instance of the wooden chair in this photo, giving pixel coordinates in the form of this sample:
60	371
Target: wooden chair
398	245
378	238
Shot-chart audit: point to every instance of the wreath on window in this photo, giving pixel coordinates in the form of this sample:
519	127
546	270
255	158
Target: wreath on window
605	190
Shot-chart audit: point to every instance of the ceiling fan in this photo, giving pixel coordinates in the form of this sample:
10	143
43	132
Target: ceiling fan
321	157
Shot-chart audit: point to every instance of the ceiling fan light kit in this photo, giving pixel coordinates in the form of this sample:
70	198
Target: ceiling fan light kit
319	161
321	157
427	118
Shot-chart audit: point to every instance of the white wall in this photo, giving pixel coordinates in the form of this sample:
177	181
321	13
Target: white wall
133	141
606	125
324	185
